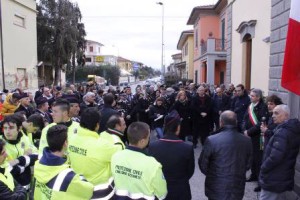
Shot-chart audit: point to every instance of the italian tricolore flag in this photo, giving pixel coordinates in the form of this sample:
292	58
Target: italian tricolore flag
291	66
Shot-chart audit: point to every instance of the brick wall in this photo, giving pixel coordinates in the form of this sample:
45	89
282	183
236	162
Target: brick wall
279	24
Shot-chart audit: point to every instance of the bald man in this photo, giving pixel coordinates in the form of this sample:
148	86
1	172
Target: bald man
224	160
278	167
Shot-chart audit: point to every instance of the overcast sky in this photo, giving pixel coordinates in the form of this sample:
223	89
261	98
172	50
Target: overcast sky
132	28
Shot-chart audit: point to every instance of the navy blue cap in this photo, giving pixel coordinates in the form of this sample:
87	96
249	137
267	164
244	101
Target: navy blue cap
172	117
24	95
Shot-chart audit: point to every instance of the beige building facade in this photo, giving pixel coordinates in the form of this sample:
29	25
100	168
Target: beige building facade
18	44
250	47
186	46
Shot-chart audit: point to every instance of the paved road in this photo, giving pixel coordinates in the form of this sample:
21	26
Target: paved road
197	181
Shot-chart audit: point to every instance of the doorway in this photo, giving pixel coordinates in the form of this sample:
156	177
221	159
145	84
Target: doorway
248	58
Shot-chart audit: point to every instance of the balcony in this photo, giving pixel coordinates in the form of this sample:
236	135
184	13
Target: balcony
213	46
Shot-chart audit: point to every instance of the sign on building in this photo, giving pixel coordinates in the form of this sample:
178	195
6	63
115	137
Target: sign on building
99	59
135	66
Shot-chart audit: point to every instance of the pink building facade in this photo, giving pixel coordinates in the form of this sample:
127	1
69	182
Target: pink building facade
209	42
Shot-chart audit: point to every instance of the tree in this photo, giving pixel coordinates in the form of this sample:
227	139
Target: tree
60	34
108	72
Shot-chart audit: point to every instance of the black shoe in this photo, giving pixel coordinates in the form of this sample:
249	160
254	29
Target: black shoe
251	179
257	189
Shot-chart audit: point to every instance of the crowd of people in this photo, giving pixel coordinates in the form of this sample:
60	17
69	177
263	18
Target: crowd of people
90	143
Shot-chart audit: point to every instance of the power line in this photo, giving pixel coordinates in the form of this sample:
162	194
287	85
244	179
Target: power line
107	16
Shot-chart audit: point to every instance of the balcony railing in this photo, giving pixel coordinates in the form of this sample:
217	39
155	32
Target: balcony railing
220	44
213	45
203	47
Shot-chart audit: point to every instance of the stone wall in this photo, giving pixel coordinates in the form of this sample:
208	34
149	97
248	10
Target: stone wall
229	44
279	25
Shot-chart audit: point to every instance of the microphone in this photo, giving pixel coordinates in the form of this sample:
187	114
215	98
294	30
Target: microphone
262	138
263	120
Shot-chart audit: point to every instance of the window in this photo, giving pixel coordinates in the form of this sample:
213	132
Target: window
91	49
223	34
19	20
87	59
186	49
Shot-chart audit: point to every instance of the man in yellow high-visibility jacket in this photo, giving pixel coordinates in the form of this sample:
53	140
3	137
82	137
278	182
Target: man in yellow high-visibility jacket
114	133
137	175
60	108
8	189
91	156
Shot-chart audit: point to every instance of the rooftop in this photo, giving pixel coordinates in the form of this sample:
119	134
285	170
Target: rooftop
92	41
183	37
206	9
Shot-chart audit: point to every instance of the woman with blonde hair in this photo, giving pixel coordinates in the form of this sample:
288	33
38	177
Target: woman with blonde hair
183	107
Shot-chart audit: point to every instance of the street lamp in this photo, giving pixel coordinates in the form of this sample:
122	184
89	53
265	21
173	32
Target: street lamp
162	39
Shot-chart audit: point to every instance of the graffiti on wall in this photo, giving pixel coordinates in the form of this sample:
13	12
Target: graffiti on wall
21	79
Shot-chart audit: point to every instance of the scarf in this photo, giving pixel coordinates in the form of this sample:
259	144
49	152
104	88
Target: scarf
252	115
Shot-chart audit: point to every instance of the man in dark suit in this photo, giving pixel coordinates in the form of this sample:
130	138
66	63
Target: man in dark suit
42	109
107	111
176	157
220	103
256	114
239	104
201	109
25	105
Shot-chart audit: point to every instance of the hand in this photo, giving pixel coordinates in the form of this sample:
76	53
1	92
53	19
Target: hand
28	152
128	117
263	128
13	162
246	133
147	110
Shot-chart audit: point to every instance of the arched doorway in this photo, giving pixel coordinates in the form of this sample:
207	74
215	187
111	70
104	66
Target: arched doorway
247	61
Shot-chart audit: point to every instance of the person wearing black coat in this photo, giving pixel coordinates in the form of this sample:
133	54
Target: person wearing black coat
42	109
201	108
140	109
157	114
176	157
221	102
240	104
225	159
267	127
257	111
25	105
183	106
88	101
107	111
278	167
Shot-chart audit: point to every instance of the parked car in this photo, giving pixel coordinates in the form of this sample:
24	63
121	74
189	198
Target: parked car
124	84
